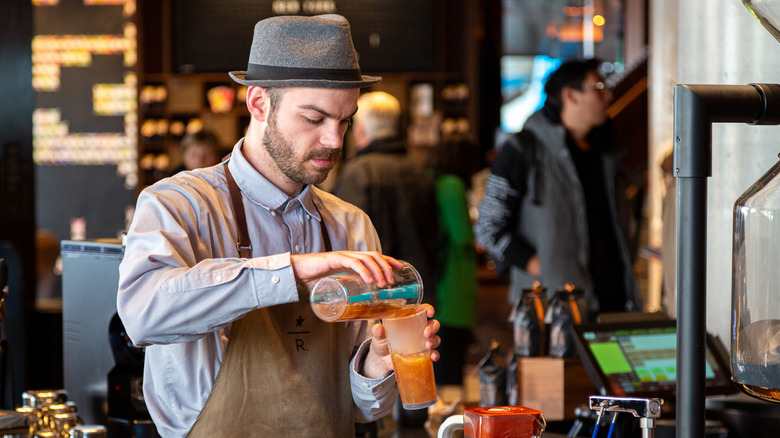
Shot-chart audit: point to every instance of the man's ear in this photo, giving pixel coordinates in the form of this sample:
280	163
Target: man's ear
258	103
569	94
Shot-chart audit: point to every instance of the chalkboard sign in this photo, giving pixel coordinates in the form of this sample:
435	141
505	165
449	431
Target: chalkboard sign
85	117
211	36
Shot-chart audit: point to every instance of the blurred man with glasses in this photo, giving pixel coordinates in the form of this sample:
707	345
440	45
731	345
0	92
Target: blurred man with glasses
554	210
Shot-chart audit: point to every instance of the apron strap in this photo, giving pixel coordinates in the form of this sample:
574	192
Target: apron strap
325	236
244	245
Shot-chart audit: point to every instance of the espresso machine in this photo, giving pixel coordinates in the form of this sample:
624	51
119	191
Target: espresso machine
127	413
755	302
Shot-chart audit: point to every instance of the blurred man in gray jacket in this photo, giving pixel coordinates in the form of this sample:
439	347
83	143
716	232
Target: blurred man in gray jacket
553	207
391	187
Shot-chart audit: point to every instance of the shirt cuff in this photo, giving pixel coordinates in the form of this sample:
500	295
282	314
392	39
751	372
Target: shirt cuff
374	398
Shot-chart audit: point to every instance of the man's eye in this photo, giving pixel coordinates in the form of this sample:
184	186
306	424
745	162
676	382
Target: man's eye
313	121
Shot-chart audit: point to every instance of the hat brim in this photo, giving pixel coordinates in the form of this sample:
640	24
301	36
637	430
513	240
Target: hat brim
240	77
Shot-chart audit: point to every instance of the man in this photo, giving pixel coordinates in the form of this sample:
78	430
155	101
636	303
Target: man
552	206
391	187
209	281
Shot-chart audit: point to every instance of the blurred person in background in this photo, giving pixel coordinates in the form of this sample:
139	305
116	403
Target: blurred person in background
554	209
399	196
393	188
452	163
200	149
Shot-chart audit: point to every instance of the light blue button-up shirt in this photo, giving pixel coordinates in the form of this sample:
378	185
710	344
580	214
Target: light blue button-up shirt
182	281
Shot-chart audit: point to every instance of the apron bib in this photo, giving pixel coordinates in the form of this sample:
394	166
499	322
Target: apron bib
285	371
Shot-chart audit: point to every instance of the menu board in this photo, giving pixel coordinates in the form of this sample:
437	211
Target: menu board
85	117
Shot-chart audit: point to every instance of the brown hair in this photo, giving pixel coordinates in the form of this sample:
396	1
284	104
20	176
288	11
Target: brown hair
200	137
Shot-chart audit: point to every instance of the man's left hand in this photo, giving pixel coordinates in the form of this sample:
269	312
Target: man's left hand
378	363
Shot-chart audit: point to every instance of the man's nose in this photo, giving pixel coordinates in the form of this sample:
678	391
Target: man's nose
333	137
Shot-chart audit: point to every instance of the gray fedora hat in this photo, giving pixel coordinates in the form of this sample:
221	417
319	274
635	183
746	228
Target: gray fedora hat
294	51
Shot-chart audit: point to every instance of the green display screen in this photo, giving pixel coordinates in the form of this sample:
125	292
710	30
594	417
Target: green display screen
610	357
638	360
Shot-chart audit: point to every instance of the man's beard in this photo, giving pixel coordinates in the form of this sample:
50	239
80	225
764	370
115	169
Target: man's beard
283	154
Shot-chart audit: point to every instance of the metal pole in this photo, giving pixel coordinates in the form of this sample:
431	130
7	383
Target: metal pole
691	305
696	107
648	427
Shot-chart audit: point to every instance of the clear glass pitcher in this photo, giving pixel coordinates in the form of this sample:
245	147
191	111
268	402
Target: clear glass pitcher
346	297
755	319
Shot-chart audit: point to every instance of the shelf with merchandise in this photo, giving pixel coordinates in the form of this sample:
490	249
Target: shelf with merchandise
172	105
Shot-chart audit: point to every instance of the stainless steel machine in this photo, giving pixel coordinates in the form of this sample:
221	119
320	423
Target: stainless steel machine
89	284
103	369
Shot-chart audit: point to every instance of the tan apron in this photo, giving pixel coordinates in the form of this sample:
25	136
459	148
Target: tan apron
285	372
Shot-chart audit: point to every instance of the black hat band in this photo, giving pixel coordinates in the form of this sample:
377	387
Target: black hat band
272	73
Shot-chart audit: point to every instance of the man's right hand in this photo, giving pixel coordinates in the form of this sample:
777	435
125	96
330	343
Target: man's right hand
532	267
371	265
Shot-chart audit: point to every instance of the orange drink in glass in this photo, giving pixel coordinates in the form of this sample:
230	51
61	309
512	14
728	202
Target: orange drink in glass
411	360
414	374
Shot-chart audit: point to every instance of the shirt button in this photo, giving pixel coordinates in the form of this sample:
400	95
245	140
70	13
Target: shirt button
271	263
274	279
273	213
297	248
219	278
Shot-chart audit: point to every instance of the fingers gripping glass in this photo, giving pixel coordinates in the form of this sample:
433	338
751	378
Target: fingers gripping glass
345	296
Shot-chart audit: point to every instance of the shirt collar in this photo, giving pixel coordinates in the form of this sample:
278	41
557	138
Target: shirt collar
259	190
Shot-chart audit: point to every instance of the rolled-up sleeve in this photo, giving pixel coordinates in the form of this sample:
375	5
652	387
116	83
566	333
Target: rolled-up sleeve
170	292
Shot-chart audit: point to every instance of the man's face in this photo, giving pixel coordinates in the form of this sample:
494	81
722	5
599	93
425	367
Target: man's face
594	99
305	131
